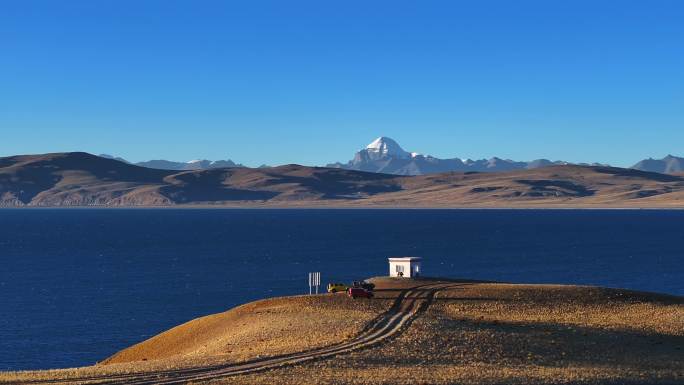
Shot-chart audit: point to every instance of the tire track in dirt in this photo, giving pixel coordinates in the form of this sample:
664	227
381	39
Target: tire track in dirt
408	305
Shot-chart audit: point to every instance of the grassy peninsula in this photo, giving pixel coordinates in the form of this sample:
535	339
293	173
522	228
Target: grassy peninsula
453	332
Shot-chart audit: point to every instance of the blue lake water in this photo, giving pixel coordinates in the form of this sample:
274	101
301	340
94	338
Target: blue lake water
76	285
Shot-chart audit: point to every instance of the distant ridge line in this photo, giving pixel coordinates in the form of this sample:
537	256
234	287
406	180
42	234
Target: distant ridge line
80	179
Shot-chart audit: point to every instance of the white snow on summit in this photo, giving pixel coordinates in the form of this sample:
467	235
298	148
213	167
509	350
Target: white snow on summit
384	155
384	146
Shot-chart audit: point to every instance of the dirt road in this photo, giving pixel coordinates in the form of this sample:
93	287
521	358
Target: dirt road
407	306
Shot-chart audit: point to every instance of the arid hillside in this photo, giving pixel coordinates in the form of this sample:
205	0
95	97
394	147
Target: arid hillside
81	179
453	331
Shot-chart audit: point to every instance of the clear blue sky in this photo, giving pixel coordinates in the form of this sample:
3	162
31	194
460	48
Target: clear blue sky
311	82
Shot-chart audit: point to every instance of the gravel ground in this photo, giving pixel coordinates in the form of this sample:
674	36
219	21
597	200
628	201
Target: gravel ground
473	333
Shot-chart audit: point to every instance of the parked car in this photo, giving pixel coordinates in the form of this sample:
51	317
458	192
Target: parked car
363	284
359	292
335	287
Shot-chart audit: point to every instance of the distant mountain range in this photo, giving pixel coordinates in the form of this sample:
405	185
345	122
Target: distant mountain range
668	165
385	155
81	179
161	164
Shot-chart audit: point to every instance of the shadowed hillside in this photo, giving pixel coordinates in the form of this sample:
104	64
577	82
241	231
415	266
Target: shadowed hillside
81	179
76	178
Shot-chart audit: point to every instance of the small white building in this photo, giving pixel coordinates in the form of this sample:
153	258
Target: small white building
407	267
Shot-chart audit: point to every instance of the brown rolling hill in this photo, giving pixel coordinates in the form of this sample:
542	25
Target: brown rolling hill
459	332
81	179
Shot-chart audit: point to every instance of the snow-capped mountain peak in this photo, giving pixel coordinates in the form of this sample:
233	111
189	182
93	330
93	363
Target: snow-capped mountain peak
386	147
384	155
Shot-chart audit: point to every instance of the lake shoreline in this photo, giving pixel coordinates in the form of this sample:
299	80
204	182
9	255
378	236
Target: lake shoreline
568	325
127	266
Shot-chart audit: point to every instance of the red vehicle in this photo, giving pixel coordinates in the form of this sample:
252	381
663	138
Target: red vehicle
356	292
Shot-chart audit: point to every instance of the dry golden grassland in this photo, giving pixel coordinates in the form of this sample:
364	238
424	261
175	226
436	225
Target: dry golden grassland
255	330
472	333
258	329
506	334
